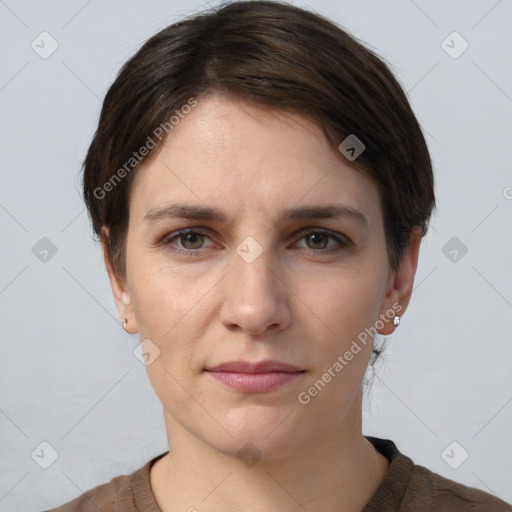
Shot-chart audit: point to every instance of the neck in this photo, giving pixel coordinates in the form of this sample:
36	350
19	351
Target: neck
341	471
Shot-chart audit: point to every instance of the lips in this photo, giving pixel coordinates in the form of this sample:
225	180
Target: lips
265	366
256	377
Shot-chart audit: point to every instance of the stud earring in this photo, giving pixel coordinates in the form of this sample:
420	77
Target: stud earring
396	321
125	323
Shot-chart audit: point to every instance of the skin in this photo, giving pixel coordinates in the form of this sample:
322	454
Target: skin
292	303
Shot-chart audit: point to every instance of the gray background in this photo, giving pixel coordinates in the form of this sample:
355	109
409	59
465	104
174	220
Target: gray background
68	374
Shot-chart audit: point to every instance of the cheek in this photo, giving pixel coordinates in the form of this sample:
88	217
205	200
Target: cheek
164	310
340	304
341	310
172	308
161	295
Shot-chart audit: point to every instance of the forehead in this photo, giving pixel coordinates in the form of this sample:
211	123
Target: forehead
245	157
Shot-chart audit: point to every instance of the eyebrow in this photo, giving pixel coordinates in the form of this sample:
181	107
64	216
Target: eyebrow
197	212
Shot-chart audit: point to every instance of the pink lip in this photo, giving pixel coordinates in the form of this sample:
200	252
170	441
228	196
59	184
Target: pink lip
255	377
264	366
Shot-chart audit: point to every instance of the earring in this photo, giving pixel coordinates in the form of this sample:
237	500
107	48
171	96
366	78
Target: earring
125	323
396	321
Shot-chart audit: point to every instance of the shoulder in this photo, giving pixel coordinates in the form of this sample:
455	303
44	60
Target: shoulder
113	496
427	489
410	487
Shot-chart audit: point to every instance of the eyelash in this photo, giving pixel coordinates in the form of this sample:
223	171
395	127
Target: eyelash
196	252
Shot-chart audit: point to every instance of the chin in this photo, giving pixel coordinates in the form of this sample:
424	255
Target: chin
266	431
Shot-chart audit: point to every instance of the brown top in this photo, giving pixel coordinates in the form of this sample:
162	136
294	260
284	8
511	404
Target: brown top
407	487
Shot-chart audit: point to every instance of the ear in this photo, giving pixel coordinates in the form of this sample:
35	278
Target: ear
119	287
400	284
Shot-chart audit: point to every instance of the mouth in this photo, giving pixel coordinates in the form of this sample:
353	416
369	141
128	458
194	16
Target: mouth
256	377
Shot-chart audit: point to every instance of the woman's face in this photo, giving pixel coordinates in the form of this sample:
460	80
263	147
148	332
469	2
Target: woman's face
267	280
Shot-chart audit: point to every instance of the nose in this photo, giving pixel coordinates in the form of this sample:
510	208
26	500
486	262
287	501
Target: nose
256	298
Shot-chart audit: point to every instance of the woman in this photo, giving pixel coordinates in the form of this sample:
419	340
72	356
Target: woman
260	188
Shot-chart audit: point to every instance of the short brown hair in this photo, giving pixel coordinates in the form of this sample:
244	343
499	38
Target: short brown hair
279	56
